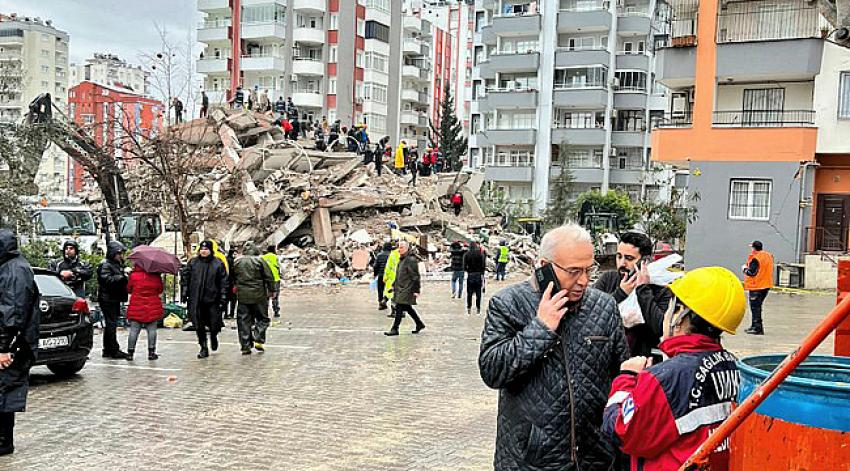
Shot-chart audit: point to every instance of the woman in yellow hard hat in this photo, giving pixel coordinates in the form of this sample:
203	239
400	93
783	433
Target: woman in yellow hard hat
660	414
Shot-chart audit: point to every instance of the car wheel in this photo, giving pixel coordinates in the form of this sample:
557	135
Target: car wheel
67	369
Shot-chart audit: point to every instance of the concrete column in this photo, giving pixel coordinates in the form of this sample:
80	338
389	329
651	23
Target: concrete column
345	62
546	79
394	87
609	106
286	73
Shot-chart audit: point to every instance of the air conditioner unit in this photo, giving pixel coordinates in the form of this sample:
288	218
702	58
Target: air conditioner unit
293	78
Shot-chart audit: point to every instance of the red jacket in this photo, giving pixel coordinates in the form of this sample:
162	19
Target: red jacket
662	415
145	302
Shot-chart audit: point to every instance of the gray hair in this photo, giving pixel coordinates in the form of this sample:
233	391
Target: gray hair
568	234
402	241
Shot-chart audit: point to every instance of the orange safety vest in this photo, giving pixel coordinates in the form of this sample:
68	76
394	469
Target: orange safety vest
764	277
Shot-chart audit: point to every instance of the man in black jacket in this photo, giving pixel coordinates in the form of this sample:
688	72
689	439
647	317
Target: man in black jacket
631	275
406	289
18	334
378	273
111	292
204	290
553	356
457	252
474	264
73	271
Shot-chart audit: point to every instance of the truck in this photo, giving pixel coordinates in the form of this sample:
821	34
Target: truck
63	219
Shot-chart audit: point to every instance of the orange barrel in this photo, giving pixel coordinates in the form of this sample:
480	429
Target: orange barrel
803	425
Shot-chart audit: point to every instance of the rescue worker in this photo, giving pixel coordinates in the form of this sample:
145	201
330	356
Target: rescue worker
73	271
19	319
111	292
238	100
502	257
758	279
254	288
457	202
660	414
270	258
389	279
399	158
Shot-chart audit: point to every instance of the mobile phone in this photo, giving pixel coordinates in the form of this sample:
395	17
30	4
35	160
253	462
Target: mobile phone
545	275
643	261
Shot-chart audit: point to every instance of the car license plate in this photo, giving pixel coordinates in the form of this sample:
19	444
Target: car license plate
54	342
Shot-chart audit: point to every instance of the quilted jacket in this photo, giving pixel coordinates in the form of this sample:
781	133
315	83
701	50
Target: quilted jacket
553	386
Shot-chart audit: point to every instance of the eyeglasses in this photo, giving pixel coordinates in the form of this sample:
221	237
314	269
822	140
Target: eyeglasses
575	272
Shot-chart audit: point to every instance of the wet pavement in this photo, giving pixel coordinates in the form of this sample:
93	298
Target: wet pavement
331	393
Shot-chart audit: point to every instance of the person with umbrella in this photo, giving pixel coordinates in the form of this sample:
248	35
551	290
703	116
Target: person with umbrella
204	290
145	288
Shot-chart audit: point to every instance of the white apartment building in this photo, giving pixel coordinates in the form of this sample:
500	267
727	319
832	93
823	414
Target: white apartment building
33	60
566	84
109	69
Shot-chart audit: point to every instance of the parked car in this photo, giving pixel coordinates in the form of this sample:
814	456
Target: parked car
66	332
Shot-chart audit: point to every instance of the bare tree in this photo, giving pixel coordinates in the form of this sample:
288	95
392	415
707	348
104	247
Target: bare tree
169	69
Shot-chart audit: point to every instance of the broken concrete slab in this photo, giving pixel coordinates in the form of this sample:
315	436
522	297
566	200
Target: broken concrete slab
290	225
322	233
361	237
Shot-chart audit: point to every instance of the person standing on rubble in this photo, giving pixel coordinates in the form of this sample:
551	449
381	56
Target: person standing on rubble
660	414
400	162
264	101
238	100
252	98
178	110
204	285
254	287
270	258
502	258
406	289
205	104
279	108
291	109
378	272
457	253
457	202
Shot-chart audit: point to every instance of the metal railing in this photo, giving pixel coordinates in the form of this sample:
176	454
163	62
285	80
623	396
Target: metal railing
574	5
764	118
214	24
676	119
578	86
766	21
824	239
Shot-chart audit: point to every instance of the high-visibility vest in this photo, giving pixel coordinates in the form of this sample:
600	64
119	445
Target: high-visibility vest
764	277
271	261
503	254
390	272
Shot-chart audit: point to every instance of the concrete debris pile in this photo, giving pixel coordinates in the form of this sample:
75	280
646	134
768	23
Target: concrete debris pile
327	211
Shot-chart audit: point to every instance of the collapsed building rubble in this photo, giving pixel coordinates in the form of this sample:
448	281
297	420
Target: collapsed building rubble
327	211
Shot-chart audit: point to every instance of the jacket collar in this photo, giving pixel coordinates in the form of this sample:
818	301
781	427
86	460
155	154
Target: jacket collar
690	343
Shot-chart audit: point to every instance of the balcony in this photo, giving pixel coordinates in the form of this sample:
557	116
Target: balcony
423	97
412	24
629	100
412	47
507	62
579	136
213	31
633	21
311	6
780	60
627	138
511	137
212	66
308	98
764	118
579	57
410	72
270	30
409	118
767	21
488	36
308	66
260	62
511	99
509	173
676	119
574	18
409	95
251	3
213	5
676	66
626	60
516	25
626	176
585	172
313	36
581	98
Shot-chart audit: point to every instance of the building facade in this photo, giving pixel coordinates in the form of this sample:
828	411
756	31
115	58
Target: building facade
33	60
109	69
565	84
765	137
109	114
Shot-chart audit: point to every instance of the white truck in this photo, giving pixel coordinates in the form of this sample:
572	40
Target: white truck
61	220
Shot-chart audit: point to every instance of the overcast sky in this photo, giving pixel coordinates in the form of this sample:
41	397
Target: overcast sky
123	27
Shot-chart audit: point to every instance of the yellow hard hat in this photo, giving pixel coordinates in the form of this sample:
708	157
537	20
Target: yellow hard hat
715	294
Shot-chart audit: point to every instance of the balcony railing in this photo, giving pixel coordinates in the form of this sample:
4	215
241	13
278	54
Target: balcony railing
676	119
764	118
214	24
764	21
510	159
578	85
575	5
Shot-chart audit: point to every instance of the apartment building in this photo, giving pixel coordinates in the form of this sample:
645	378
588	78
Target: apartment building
759	112
565	84
109	69
33	60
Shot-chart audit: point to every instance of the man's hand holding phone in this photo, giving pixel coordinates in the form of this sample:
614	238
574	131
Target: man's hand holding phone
552	307
637	277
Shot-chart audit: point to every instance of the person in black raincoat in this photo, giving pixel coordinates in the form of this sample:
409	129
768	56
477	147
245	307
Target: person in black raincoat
204	290
111	292
72	269
18	334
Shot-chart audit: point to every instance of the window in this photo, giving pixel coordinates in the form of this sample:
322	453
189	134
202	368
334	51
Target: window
579	43
45	69
479	55
375	92
749	199
630	158
332	53
630	120
334	21
584	158
270	13
332	86
631	81
517	120
579	119
480	21
375	30
844	96
376	61
580	77
359	59
45	53
517	82
763	106
475	124
361	27
628	47
518	45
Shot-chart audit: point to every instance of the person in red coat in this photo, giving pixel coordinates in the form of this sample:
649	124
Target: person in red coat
144	310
